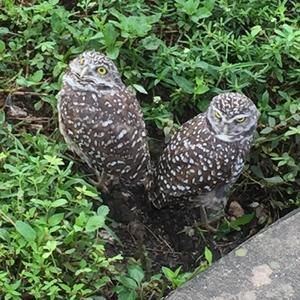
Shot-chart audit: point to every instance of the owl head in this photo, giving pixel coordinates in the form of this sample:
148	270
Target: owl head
232	117
92	70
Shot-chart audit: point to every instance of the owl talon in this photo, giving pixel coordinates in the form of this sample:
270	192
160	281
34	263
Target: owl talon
209	228
204	222
99	184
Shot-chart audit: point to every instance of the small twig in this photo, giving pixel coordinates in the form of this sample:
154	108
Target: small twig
22	93
32	118
7	218
167	244
160	239
164	251
245	174
156	237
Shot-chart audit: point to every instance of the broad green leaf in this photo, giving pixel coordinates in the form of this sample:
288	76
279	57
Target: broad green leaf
2	46
168	273
84	190
266	130
185	84
60	66
202	13
46	46
127	295
25	230
99	283
90	193
274	180
57	23
128	282
51	245
257	171
2	116
37	76
3	30
21	81
271	121
255	30
201	90
112	52
210	69
110	34
59	202
243	220
140	89
190	7
151	42
137	26
54	160
55	219
293	131
208	255
94	223
177	271
4	234
103	210
136	273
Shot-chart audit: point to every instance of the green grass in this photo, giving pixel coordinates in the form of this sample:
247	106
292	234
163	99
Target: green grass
177	55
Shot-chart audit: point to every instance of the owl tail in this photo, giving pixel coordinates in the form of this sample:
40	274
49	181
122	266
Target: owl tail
154	194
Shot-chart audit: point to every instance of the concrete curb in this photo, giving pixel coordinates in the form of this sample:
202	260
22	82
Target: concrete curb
267	266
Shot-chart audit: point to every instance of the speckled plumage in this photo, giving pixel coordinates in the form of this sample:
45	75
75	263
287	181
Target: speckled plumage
101	121
206	156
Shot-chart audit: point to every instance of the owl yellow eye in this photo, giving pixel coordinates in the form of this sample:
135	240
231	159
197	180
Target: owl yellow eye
81	61
102	70
240	120
218	115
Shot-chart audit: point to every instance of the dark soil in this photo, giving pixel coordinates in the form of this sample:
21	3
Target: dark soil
168	237
172	236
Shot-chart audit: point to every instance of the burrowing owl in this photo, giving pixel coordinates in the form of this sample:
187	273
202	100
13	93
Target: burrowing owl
101	121
206	156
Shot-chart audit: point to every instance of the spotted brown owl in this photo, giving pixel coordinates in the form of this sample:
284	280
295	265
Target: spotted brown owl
102	122
206	156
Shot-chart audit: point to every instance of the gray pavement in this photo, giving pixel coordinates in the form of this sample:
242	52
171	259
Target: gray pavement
267	266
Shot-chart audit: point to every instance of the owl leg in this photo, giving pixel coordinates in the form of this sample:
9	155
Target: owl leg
204	221
211	204
103	181
102	187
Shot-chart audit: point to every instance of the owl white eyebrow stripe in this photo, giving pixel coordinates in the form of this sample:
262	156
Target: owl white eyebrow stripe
238	117
232	119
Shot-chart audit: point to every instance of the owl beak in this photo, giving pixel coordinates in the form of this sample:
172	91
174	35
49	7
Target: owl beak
84	71
225	128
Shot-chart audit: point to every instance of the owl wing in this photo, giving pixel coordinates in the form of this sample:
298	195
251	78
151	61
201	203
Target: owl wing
117	133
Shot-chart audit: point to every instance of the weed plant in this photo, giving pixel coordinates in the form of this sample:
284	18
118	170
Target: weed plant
176	55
